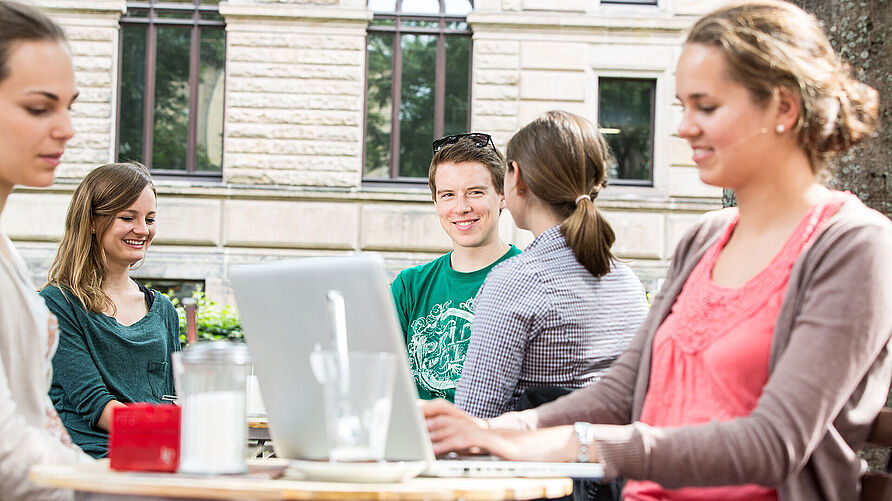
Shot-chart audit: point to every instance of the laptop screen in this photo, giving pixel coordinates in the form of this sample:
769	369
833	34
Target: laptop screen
284	317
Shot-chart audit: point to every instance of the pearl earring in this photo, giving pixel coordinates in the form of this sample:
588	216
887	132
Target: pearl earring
780	129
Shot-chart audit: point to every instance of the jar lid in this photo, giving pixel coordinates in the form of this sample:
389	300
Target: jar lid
217	352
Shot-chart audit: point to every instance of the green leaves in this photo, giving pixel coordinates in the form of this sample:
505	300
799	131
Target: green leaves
213	322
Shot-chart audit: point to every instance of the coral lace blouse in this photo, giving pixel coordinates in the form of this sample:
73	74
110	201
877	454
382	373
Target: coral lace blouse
710	355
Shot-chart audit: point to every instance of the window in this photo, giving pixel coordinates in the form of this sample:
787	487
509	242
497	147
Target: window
170	109
419	81
626	118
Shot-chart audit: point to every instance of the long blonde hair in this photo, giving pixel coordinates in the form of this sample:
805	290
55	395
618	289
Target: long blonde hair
80	264
562	157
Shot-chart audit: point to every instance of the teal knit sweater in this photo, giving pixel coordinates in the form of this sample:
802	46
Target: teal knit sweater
99	360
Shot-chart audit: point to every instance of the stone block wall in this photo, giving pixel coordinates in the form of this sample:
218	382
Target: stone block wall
92	30
294	94
294	133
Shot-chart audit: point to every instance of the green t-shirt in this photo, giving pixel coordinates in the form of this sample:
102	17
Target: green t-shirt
435	307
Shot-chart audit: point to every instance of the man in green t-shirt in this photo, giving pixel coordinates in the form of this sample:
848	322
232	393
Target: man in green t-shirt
435	301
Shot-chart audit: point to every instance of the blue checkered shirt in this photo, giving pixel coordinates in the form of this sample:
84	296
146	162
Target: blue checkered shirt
541	319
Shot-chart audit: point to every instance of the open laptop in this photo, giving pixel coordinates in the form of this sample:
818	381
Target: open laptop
284	315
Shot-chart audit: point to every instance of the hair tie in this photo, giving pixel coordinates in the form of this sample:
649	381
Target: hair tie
580	197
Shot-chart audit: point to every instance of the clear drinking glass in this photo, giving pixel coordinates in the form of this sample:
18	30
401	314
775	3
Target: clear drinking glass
357	397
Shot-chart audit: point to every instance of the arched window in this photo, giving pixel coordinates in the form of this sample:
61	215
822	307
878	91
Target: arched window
418	84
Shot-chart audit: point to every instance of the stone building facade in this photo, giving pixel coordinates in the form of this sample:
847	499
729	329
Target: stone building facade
294	132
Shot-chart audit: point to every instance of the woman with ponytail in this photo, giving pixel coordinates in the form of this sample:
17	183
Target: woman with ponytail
766	355
561	312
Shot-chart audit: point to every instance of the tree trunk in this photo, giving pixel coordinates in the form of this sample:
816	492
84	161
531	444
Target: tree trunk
861	33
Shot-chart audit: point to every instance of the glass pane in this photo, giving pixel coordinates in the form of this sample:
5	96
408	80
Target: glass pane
626	118
171	127
458	7
134	12
418	23
420	7
417	104
379	109
211	16
458	62
175	14
209	130
133	92
457	25
382	5
387	21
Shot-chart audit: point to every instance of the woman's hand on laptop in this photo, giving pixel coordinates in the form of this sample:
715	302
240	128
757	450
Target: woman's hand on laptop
452	430
449	427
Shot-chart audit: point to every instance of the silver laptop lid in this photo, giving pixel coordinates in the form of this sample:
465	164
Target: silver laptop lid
283	310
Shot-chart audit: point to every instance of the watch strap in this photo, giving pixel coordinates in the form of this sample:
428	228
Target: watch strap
585	434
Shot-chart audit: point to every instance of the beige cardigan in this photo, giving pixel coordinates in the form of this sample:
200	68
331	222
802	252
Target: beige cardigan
830	371
25	376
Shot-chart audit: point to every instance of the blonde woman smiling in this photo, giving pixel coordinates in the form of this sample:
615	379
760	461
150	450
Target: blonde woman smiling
116	334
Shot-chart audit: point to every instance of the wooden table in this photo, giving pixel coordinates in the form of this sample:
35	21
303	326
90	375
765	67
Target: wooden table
97	482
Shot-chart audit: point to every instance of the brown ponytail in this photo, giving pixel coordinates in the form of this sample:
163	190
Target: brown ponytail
563	156
855	120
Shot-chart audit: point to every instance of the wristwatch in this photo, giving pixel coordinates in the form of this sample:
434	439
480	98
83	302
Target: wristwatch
585	433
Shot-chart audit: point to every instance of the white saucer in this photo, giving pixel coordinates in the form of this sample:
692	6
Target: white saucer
383	471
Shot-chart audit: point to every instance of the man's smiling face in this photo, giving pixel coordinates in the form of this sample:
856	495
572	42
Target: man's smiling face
467	203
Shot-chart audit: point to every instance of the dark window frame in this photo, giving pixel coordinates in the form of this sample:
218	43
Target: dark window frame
398	30
653	107
152	20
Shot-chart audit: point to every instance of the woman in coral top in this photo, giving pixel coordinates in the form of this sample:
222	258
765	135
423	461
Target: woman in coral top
765	356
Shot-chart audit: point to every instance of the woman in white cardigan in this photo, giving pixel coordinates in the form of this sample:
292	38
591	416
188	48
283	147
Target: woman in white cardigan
36	93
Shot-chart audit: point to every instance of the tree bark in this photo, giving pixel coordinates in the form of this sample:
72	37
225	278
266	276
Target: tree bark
861	33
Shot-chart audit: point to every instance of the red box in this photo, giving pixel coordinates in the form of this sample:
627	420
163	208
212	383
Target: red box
145	437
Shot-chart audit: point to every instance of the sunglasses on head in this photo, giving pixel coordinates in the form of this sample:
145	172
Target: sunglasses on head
480	140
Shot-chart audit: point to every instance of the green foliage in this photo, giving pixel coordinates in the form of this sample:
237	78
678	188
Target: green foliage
457	98
417	96
132	72
213	322
171	106
377	144
417	103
